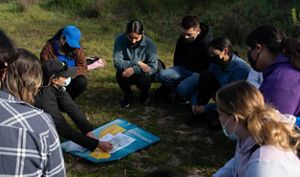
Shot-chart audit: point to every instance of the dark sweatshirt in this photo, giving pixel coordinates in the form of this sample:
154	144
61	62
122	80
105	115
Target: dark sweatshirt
55	102
194	56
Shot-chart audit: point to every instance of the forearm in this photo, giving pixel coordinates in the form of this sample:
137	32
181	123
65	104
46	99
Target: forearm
121	64
67	105
81	63
67	132
153	65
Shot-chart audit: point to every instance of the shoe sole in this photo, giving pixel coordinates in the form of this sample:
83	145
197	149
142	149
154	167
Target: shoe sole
126	106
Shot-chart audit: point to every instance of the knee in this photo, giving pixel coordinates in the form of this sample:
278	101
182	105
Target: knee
144	79
120	78
182	90
81	82
167	77
186	90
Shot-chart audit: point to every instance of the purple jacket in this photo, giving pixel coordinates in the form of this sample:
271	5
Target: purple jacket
281	86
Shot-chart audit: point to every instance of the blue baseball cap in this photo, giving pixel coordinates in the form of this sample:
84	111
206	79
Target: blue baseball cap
72	35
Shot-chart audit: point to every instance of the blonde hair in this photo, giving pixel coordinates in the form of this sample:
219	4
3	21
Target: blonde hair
24	76
264	123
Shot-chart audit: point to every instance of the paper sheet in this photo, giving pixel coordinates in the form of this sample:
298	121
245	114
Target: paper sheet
119	141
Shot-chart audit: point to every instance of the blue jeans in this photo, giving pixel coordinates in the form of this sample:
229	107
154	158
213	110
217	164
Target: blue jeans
183	80
298	121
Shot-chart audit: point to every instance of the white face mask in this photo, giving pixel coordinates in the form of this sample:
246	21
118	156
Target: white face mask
62	87
67	81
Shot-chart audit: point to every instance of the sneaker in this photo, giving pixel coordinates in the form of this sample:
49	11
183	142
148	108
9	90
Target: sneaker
125	103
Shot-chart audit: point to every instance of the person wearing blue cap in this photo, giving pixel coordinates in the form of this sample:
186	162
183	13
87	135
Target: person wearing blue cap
65	46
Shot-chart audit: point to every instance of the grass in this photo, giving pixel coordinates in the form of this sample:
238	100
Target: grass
183	149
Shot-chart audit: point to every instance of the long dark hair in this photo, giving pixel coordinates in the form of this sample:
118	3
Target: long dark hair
221	43
134	26
276	42
69	51
7	50
57	34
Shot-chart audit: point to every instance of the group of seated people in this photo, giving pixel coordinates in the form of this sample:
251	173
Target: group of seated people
207	74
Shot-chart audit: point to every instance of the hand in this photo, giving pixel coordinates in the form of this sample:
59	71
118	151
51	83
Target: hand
144	67
105	146
197	109
90	134
128	72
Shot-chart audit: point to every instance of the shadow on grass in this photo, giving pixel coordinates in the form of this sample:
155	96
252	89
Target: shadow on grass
188	150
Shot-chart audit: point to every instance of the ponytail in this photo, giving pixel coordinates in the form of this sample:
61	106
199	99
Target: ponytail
276	42
264	123
269	127
291	48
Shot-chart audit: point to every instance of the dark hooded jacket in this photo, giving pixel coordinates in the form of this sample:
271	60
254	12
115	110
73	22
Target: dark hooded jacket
194	56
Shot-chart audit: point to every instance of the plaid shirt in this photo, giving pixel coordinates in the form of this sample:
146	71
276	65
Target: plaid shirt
29	144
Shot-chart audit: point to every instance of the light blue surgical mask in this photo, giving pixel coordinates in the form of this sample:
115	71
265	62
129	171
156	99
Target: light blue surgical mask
67	81
232	135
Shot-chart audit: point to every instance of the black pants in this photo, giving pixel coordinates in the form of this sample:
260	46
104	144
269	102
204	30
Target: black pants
77	86
142	82
56	102
207	87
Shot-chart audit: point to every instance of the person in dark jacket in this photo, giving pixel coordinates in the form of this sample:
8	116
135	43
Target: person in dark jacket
65	46
54	99
190	58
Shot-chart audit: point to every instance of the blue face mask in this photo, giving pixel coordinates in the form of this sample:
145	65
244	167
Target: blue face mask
232	135
67	81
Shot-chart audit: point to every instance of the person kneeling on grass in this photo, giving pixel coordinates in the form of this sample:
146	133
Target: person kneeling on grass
54	99
267	142
136	62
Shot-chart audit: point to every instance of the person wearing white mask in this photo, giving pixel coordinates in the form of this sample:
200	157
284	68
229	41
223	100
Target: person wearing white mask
190	59
267	142
55	100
